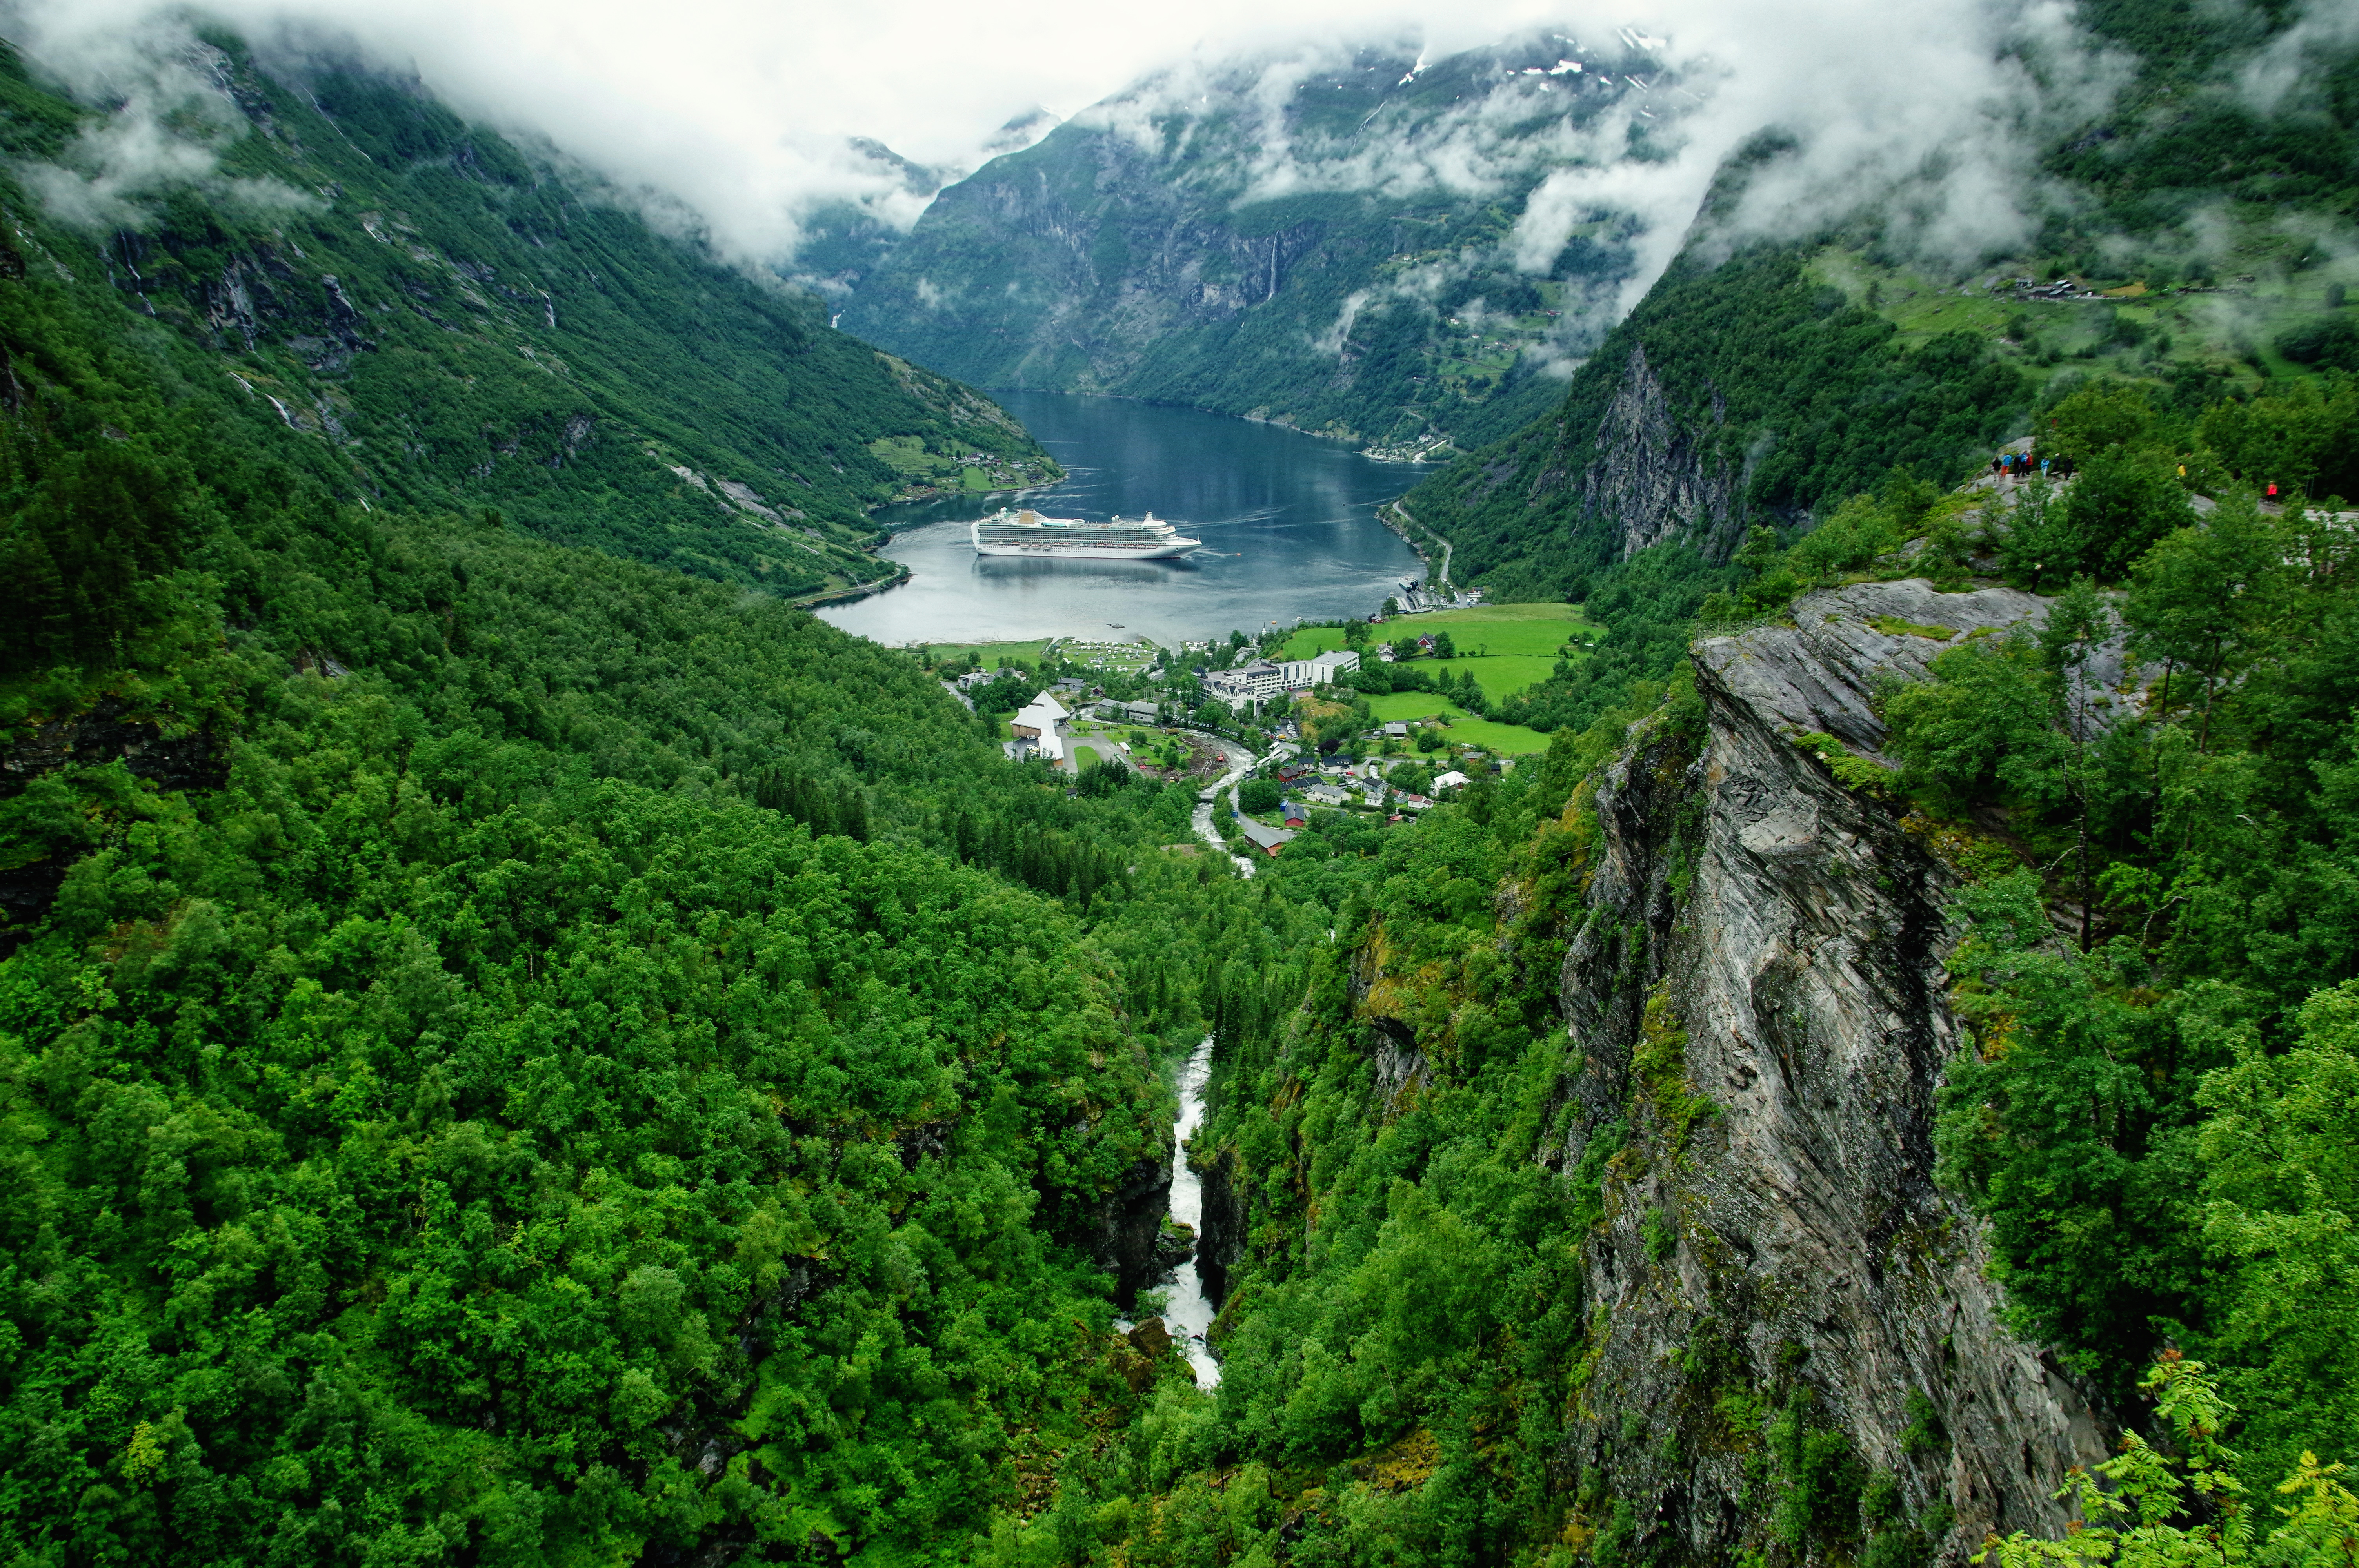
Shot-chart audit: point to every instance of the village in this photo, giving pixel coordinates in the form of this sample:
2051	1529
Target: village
1294	734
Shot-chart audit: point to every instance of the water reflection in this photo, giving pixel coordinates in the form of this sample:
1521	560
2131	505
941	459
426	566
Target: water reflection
1288	522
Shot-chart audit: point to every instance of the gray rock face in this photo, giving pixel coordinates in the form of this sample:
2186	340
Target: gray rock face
1127	1234
1822	673
1655	479
1761	937
1221	1245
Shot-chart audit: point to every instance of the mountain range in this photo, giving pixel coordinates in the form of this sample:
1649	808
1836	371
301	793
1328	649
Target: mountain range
438	316
1340	253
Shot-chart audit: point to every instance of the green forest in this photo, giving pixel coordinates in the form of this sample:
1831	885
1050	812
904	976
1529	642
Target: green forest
515	1049
517	1054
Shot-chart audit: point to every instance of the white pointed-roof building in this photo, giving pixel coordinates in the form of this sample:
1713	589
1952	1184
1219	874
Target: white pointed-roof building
1041	723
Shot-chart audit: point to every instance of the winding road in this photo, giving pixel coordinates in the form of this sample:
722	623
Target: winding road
1230	750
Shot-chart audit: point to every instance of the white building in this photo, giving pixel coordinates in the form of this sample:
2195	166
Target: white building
1261	679
1252	683
1041	725
1301	675
1453	779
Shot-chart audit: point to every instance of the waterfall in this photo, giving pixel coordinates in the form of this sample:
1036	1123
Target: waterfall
1189	1314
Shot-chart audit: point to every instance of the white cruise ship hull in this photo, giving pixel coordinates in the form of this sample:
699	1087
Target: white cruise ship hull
1026	535
1046	549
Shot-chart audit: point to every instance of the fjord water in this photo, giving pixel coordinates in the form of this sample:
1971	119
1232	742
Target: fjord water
1288	520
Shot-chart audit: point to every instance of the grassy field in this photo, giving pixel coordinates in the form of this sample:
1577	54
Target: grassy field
1390	706
1508	647
2199	329
1537	629
1503	675
1022	652
1507	739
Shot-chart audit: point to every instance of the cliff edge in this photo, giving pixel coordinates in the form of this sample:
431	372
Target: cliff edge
1756	989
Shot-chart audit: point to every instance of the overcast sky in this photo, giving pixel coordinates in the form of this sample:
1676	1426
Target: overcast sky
742	109
737	106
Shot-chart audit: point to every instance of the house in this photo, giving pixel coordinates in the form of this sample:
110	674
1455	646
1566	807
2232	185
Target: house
1265	839
1325	795
1397	730
1453	779
1040	726
1070	684
1408	802
1294	814
974	678
1116	711
1385	654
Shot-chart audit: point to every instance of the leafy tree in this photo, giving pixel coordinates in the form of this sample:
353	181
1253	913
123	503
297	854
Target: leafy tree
2153	1507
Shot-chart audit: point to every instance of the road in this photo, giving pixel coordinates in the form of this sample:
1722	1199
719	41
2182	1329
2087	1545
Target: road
1441	580
1231	751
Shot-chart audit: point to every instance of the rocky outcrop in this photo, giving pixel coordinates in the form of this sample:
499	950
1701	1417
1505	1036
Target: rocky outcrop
1756	994
1127	1236
104	734
1221	1245
1653	479
1822	673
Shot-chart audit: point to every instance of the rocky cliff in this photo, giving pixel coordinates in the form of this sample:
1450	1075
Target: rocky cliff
1756	994
1651	479
1636	475
1127	1236
1738	392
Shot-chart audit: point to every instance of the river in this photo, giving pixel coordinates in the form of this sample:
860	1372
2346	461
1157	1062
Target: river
1288	521
1187	1313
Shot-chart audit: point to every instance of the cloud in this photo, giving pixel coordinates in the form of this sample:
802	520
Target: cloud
172	117
744	113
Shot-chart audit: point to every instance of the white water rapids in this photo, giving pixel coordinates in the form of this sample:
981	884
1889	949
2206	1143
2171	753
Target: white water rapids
1189	1314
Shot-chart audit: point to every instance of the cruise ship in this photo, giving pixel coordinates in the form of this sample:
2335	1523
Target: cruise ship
1027	532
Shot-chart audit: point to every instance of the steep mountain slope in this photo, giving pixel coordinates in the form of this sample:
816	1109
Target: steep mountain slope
2183	246
438	317
1335	247
512	1054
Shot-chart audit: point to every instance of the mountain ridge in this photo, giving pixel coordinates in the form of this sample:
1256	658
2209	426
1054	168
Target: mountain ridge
445	319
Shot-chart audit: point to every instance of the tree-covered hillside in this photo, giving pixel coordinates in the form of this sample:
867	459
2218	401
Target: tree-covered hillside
441	317
514	1054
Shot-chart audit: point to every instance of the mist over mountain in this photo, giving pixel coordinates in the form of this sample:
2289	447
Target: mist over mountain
442	315
1412	250
1333	246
